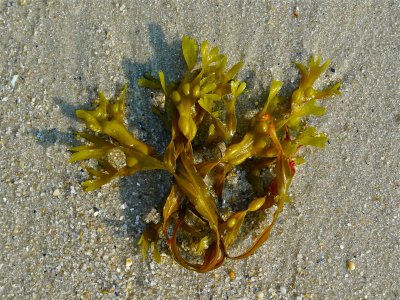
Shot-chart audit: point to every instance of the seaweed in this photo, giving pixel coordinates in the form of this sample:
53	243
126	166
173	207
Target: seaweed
205	100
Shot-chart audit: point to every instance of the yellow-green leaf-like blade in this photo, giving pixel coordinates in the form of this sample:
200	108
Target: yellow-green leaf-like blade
310	137
143	82
202	200
89	119
273	91
232	71
162	81
233	230
150	236
89	153
189	49
171	205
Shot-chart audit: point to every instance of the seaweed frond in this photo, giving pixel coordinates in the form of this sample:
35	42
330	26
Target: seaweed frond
205	100
110	133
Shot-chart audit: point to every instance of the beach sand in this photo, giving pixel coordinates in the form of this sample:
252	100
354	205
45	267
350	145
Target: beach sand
337	239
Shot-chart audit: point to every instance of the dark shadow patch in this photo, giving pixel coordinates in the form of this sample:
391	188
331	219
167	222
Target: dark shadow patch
48	137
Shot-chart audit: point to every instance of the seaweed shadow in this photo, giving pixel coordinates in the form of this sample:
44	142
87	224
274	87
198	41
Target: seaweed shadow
144	191
47	137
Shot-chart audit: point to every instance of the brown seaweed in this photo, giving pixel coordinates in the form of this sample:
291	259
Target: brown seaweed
190	210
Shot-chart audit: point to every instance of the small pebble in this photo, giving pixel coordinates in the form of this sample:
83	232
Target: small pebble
56	192
341	247
351	265
128	263
72	190
231	274
260	295
296	12
283	290
14	80
153	216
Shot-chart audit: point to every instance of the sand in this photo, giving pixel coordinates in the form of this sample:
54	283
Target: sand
338	239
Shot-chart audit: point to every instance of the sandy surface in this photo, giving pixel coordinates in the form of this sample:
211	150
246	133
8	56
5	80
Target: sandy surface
57	242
